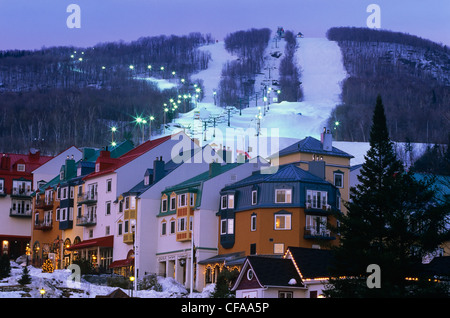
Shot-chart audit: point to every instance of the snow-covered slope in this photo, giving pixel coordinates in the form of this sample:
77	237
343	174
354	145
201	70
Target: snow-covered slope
322	70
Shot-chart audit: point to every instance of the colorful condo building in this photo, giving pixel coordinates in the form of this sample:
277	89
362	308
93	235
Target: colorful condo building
320	158
16	186
266	213
188	222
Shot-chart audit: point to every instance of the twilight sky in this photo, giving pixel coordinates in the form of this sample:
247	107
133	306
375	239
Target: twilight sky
31	24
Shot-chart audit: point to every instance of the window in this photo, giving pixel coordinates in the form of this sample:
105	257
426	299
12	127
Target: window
64	193
285	294
126	226
108	208
316	225
230	226
339	180
223	202
173	203
282	221
58	214
254	197
191	199
107	231
164	228
79	211
20	167
253	249
253	222
109	185
227	201
283	195
278	248
71	192
316	199
227	226
120	206
172	226
36	219
164	205
231	201
250	274
2	187
182	224
182	200
119	229
97	167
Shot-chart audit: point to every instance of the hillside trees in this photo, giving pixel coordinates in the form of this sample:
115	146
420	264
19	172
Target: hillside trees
238	76
57	97
289	73
411	73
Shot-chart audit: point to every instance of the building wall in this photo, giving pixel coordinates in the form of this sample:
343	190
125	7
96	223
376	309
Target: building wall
332	164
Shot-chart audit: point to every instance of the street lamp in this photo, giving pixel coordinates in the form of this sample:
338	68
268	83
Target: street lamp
42	292
150	127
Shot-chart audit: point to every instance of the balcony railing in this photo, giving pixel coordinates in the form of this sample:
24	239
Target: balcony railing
317	233
128	238
87	197
20	212
21	192
87	220
43	225
324	209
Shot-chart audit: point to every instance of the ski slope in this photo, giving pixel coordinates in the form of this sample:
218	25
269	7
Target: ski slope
322	73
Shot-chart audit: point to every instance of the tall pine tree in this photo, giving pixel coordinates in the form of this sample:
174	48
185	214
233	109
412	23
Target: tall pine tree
392	221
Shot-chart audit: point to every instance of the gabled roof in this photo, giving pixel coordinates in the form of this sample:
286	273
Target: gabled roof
129	156
311	145
285	173
202	177
311	262
271	272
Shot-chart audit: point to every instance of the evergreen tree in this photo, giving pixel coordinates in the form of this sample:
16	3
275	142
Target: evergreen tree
392	221
5	266
25	279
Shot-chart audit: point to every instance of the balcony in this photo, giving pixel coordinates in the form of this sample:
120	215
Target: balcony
87	220
43	225
21	192
324	209
313	232
20	213
128	238
184	236
65	225
89	197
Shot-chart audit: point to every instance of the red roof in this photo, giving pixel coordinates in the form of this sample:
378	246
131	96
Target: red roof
122	263
9	162
106	241
113	164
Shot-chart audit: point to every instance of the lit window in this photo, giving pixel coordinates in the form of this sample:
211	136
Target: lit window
282	222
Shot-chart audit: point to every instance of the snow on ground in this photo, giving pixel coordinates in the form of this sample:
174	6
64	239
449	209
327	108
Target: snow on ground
162	84
322	70
59	281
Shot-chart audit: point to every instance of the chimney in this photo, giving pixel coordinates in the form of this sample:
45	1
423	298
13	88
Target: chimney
69	167
326	139
5	162
225	155
214	169
158	169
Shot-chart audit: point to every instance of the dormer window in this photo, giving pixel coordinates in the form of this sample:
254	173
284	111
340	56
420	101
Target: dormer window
97	167
283	195
146	180
61	175
227	201
254	197
21	167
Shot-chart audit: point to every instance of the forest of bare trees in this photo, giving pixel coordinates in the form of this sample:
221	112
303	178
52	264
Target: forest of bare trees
57	97
289	72
238	76
411	74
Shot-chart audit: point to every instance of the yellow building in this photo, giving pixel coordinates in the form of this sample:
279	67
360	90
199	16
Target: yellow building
321	159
